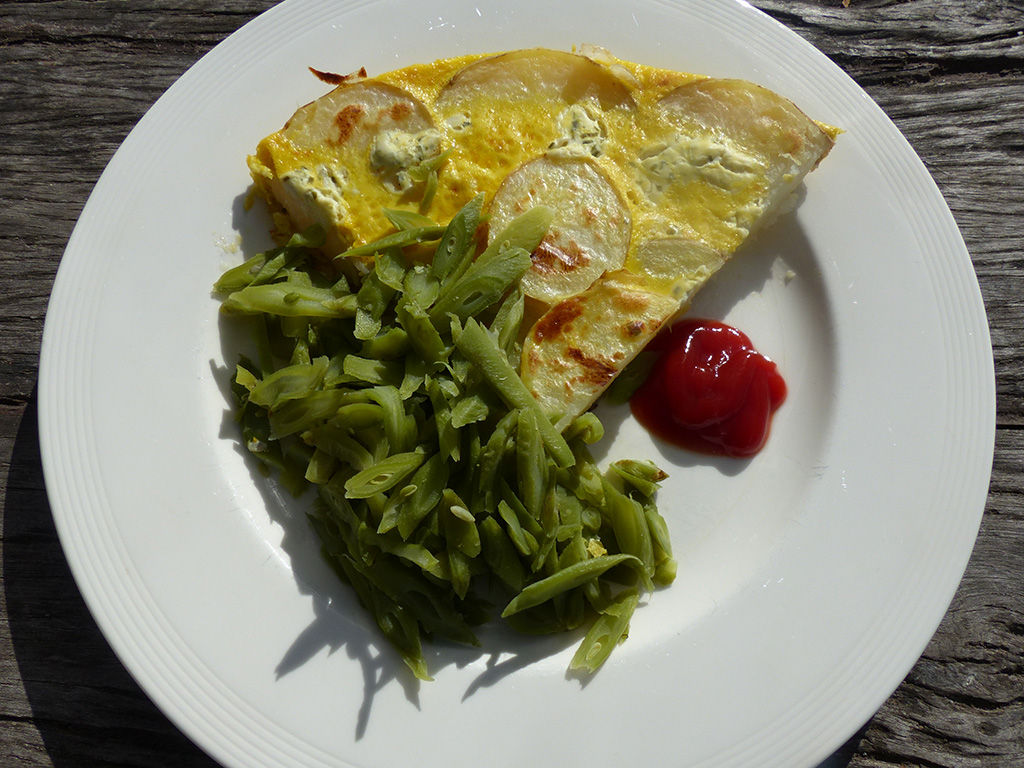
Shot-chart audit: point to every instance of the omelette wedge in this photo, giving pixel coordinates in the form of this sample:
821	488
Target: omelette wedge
656	178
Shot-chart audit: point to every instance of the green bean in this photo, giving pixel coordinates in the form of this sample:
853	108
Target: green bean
383	475
526	231
398	239
389	344
485	281
531	462
407	219
415	375
263	267
447	435
627	520
605	633
302	413
529	523
371	301
586	427
439	475
414	553
399	426
237	278
458	524
420	286
494	271
379	372
508	320
337	442
423	335
429	483
389	268
491	454
664	564
546	559
574	576
321	466
480	348
644	476
523	541
359	415
500	555
289	300
468	409
458	241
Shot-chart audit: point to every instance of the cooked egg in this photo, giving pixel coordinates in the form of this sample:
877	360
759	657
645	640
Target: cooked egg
656	177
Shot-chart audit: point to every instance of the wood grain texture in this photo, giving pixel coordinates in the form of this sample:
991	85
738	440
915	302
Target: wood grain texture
77	75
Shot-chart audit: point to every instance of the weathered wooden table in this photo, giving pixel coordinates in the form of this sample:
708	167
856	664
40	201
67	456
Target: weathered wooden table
75	76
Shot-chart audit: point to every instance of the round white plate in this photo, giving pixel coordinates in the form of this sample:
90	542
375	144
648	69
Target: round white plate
811	577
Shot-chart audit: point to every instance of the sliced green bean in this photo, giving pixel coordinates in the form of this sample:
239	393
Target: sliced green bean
407	219
459	239
627	520
500	555
398	239
429	483
289	300
607	631
480	348
390	344
298	415
564	580
377	372
289	383
382	476
531	462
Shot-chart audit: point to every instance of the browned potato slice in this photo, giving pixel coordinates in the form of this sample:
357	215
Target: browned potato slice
575	350
579	345
343	157
590	232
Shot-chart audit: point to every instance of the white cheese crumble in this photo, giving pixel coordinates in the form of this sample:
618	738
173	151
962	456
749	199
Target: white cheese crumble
395	152
325	189
582	134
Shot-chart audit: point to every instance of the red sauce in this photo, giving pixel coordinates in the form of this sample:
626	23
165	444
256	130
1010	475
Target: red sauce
710	391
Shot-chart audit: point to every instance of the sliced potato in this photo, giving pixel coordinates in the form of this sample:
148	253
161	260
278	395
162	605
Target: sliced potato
676	266
590	232
751	116
575	350
750	147
536	73
344	157
577	347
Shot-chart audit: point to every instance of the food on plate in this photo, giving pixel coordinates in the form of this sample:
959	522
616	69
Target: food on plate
441	483
472	251
655	177
708	389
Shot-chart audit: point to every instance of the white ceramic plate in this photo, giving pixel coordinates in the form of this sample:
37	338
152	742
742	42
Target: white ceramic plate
811	577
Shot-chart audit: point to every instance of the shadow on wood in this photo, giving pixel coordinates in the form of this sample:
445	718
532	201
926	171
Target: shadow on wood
87	708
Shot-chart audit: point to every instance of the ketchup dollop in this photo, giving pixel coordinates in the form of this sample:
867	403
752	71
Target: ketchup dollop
709	390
